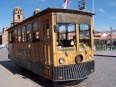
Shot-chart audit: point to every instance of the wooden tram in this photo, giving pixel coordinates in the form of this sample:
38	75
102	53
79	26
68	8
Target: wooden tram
56	44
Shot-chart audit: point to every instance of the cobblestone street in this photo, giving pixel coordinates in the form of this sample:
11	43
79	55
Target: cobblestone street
104	75
12	76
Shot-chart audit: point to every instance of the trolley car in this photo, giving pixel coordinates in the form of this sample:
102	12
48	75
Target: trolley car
55	43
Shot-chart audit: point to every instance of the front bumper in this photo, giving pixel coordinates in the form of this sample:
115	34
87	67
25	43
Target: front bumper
73	72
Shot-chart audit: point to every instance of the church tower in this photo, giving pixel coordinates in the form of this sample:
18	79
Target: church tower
17	15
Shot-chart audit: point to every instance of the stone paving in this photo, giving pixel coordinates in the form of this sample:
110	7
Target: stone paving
104	75
12	76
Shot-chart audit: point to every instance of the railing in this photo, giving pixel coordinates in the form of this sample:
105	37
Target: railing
104	47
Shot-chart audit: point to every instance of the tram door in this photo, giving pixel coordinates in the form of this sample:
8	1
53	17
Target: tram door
46	48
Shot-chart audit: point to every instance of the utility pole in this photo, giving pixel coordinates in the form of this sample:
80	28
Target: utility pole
111	31
111	37
93	12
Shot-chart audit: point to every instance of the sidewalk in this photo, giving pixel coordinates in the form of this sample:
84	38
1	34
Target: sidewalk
107	53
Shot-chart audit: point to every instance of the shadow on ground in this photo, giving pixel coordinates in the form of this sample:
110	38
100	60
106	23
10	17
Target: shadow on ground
28	74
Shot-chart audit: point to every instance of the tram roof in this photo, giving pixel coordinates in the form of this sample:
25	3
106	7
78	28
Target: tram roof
48	10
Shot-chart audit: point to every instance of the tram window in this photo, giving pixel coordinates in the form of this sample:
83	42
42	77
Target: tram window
23	34
12	39
85	34
35	30
47	29
29	34
19	34
15	35
35	25
66	37
9	37
29	28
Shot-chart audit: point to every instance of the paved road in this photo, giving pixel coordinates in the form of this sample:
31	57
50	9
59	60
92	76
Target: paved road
12	76
106	53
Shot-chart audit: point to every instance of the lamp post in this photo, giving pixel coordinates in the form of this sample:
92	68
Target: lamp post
111	37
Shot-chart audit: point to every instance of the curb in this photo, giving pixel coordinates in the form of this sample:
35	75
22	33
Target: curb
104	55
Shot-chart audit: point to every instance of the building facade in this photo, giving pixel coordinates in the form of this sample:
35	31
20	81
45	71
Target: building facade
0	38
17	18
5	36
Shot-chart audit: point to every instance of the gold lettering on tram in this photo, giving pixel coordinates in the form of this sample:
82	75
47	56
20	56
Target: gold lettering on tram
73	18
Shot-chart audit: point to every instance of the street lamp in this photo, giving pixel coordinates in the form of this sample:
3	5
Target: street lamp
111	37
111	32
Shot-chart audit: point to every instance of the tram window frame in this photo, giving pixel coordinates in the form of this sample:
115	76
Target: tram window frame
10	37
46	29
15	36
35	30
86	28
29	32
23	33
35	25
66	35
19	33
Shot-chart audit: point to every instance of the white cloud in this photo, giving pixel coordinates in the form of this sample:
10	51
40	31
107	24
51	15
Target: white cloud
43	0
112	3
112	17
101	10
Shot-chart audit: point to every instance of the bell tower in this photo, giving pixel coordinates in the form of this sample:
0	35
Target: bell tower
17	15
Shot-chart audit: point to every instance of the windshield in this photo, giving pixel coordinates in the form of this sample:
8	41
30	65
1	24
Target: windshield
66	37
85	38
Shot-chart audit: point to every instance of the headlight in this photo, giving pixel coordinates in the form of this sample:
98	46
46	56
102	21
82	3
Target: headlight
81	49
61	61
89	57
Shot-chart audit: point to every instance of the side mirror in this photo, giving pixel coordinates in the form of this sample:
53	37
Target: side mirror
56	28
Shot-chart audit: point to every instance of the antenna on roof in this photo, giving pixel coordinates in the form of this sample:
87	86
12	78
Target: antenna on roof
81	5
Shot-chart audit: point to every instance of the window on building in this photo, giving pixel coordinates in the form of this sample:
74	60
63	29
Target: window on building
18	16
3	30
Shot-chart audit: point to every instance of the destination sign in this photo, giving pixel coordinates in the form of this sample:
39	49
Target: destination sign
73	18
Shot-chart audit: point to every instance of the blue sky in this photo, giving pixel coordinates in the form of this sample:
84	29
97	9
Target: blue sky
105	10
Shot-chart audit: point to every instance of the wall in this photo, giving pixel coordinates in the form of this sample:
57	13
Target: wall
0	39
5	36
